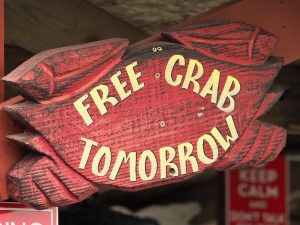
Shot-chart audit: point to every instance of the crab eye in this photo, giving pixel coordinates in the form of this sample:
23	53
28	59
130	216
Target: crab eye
155	49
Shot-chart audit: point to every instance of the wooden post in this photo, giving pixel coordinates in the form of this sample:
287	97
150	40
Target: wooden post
1	48
10	153
3	192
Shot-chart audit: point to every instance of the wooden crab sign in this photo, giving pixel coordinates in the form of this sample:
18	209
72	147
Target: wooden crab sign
105	115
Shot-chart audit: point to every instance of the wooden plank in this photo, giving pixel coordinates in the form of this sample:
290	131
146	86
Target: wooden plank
3	175
41	25
289	78
157	114
294	128
280	18
283	113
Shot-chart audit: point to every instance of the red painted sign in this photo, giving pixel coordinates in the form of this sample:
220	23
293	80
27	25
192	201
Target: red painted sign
18	214
107	115
258	196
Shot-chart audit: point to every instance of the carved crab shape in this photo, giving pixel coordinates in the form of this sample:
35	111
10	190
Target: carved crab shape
102	115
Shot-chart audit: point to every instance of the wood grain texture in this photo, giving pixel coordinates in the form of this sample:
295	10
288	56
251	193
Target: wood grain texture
167	128
278	18
60	73
259	135
223	41
40	25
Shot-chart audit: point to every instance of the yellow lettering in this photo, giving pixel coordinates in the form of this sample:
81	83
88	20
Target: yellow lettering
142	165
83	109
133	77
211	86
200	149
189	75
86	152
120	86
164	162
185	154
123	158
99	101
103	151
170	67
227	94
233	132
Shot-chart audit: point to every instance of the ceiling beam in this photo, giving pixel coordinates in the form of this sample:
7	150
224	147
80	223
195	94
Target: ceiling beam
280	17
43	24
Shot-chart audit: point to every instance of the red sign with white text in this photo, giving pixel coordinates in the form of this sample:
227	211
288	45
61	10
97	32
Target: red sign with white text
258	196
17	214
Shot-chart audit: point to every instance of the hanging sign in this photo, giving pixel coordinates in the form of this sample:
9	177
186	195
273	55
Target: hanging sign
105	115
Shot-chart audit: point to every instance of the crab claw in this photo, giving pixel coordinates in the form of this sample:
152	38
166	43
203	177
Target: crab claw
234	42
42	179
258	136
58	74
272	140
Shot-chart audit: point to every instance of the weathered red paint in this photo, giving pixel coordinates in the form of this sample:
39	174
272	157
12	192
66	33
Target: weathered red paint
259	135
151	123
61	73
